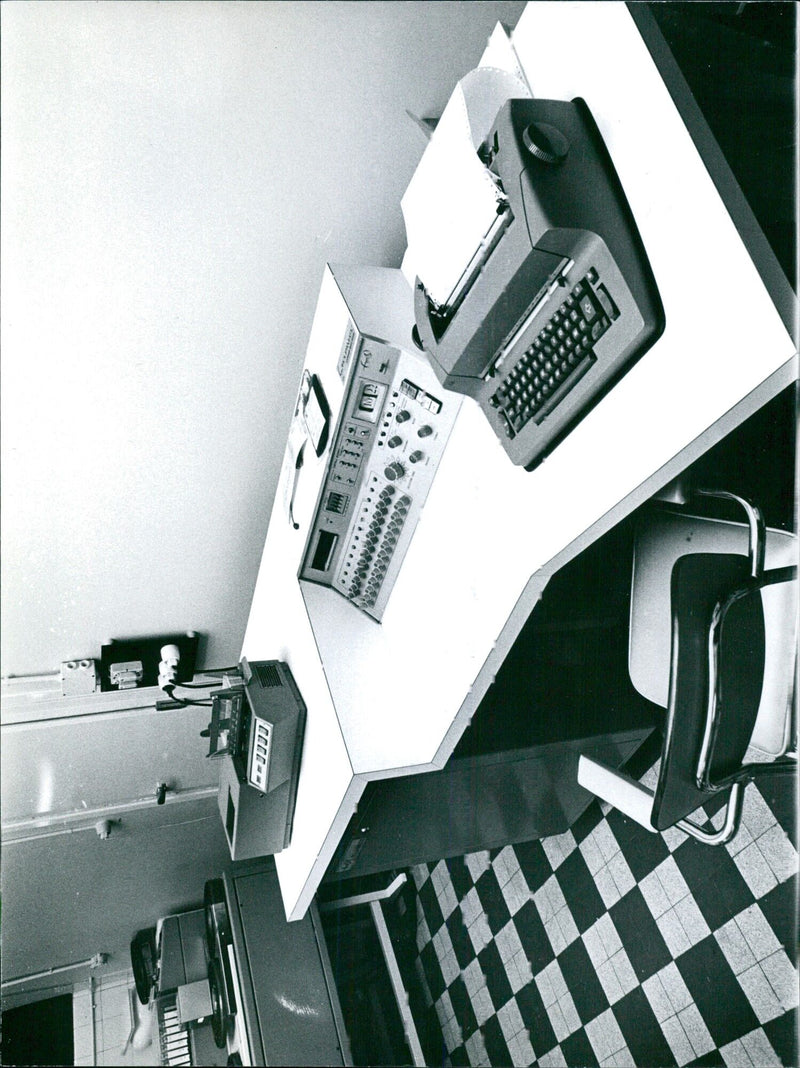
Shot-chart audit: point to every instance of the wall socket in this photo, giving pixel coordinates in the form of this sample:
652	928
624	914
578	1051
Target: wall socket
78	677
127	675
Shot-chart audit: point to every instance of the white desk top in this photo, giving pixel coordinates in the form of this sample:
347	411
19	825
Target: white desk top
389	693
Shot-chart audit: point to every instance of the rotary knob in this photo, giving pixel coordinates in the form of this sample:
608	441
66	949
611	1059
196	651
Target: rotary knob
394	441
545	142
403	415
416	456
394	471
425	431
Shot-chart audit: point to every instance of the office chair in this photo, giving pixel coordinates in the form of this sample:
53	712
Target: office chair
713	640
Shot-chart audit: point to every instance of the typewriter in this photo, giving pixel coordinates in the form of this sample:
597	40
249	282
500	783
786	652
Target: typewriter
560	300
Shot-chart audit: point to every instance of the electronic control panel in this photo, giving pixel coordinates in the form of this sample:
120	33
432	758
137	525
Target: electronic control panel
394	425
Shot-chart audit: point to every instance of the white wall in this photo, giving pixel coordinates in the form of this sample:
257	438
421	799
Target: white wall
174	177
73	895
56	768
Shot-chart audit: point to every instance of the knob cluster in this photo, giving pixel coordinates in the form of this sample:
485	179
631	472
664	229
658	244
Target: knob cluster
380	538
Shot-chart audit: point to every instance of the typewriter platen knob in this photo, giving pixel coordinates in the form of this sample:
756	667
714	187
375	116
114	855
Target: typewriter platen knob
545	142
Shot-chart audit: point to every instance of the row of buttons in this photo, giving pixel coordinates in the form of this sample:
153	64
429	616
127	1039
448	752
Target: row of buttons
425	400
260	762
349	456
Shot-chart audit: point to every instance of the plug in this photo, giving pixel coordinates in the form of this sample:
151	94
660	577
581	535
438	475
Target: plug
168	668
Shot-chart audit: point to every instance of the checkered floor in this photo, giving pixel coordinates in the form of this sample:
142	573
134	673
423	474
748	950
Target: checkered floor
610	945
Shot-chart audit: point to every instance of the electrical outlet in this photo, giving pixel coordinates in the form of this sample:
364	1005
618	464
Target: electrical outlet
78	677
128	675
179	651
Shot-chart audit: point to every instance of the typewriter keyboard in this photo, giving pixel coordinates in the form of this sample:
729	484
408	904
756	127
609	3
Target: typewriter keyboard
559	356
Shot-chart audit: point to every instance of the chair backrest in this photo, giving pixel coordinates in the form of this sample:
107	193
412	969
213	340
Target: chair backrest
700	582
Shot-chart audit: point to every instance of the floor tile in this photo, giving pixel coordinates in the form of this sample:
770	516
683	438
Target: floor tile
433	972
586	822
462	1007
582	981
459	937
720	998
476	1051
534	863
639	932
642	851
763	1000
558	847
477	863
609	945
533	936
495	1042
492	900
459	875
585	902
605	1035
577	1049
782	1035
431	907
782	978
534	1013
779	907
641	1030
459	1057
496	978
779	793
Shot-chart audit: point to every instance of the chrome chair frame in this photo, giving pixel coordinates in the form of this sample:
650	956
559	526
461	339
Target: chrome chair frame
591	774
737	781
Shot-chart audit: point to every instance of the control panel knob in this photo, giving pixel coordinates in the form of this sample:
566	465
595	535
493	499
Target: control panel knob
545	142
425	431
403	415
394	441
416	456
394	471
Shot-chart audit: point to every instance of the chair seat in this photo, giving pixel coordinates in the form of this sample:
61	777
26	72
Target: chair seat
668	536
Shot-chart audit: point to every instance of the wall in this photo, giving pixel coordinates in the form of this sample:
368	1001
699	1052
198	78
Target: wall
174	177
68	763
71	896
54	767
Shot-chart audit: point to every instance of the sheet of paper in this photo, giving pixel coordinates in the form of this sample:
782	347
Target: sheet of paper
500	53
451	201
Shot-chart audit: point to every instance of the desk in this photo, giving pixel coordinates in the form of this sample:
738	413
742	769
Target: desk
385	700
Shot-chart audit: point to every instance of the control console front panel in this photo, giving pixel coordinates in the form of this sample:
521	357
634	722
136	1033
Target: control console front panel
393	429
